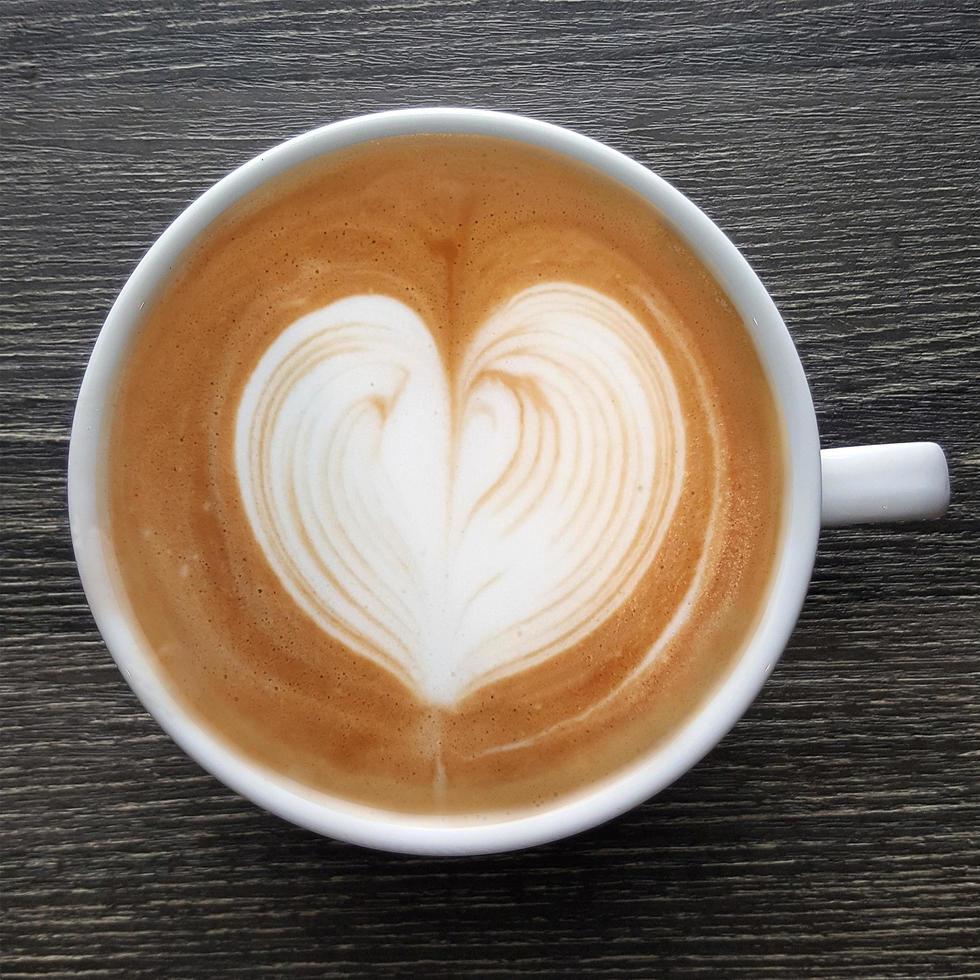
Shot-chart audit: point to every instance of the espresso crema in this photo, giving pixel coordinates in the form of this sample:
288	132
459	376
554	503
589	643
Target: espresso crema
444	477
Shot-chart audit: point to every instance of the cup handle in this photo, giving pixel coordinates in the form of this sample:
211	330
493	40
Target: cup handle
904	481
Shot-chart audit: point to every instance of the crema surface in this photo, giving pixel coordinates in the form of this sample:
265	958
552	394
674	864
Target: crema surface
444	477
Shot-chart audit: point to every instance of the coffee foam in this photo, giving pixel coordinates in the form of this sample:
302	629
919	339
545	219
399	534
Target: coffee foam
458	529
443	477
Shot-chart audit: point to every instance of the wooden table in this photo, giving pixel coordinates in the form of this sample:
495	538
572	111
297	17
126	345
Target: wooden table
834	833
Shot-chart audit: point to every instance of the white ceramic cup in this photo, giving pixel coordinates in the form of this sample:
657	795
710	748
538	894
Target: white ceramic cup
839	486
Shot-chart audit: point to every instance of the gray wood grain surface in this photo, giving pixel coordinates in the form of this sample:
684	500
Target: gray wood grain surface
834	832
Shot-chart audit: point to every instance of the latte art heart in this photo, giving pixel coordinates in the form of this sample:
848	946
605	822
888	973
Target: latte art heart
458	525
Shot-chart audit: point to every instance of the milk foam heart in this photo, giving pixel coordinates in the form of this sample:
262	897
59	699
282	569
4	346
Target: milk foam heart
459	524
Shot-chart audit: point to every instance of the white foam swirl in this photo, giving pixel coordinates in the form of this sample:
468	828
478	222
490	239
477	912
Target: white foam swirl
455	529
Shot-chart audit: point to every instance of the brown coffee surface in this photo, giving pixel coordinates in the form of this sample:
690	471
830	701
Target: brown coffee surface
453	227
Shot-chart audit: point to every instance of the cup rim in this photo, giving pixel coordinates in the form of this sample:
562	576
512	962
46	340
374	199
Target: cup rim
446	835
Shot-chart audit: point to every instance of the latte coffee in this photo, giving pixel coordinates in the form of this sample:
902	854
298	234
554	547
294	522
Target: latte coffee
443	477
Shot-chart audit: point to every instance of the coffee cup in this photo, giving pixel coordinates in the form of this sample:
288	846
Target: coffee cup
822	488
